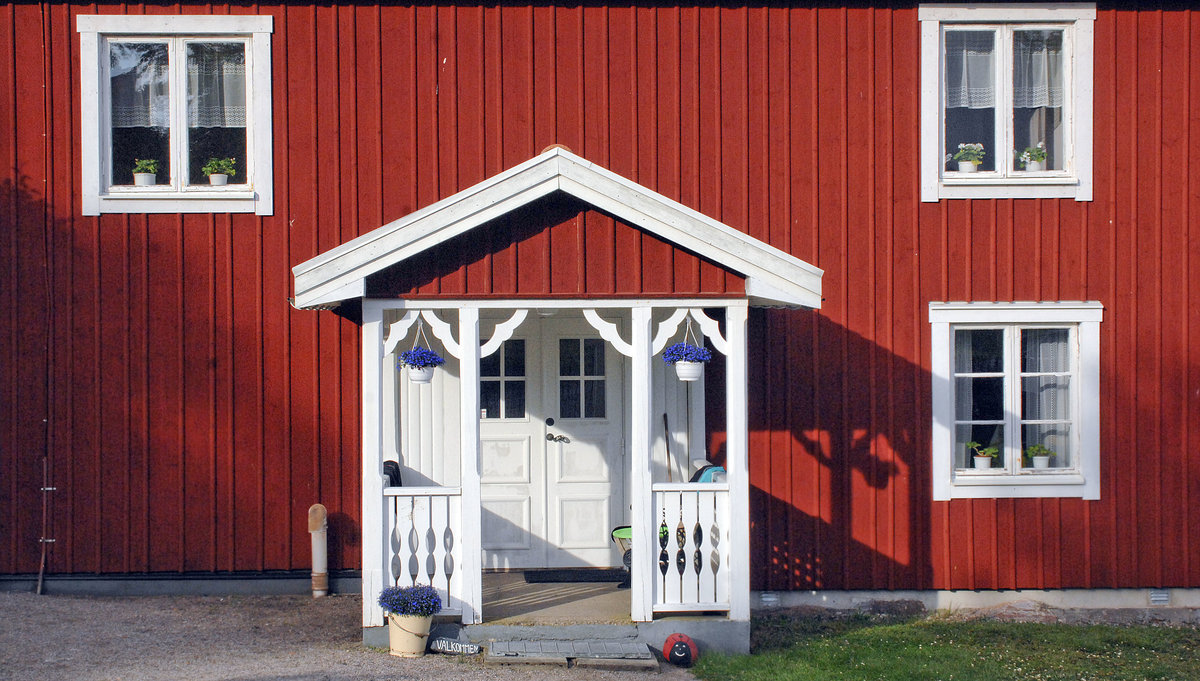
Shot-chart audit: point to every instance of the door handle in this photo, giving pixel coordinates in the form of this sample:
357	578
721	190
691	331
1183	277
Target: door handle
551	437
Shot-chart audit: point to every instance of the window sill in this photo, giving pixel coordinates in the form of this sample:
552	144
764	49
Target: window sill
207	201
969	477
950	186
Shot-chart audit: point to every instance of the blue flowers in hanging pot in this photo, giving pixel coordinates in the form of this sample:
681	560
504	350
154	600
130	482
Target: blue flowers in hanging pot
420	362
688	360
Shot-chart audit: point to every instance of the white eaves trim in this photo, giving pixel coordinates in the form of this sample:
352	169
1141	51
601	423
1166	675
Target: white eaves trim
773	277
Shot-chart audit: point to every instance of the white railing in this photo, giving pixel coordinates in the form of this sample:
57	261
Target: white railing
693	568
424	529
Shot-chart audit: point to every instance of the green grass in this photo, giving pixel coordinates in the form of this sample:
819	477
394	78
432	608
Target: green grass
859	647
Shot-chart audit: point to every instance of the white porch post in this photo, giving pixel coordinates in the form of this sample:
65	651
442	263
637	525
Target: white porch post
736	460
642	520
471	571
373	528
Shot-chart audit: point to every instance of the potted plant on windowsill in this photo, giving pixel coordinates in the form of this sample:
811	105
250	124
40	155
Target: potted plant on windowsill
969	156
420	362
983	455
1033	157
410	611
1039	455
688	360
145	171
219	170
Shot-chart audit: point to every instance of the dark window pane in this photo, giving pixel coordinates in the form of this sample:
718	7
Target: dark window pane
489	399
1044	350
568	399
216	108
568	357
978	351
514	358
979	399
514	399
593	399
593	357
986	435
141	103
490	365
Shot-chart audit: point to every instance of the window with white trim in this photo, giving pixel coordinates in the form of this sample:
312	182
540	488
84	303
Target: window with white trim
1016	399
176	114
1012	81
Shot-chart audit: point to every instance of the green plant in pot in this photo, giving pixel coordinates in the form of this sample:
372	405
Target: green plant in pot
983	455
219	170
1033	158
410	611
969	156
145	171
1039	455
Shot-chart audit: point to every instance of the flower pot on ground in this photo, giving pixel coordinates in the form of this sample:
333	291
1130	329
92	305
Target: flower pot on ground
420	363
410	611
145	172
219	170
688	360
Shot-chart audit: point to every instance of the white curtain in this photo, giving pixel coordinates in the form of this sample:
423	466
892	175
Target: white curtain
138	85
970	78
1037	69
216	74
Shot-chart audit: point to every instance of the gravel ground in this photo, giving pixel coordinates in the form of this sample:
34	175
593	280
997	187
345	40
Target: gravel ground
239	638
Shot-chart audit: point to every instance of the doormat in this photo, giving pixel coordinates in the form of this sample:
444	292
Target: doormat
574	575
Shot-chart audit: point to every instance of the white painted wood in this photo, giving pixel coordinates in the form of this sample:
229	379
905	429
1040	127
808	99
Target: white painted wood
559	304
256	196
737	461
1075	180
472	572
667	329
443	332
797	282
711	330
642	521
423	545
503	331
689	505
1081	481
609	332
397	330
373	523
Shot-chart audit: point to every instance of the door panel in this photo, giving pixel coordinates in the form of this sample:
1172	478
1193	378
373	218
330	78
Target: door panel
552	473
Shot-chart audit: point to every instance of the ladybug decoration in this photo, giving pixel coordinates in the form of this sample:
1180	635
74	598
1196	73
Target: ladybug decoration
680	650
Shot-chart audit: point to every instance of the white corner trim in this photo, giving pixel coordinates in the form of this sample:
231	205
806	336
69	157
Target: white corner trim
666	329
504	330
1019	312
608	331
1007	12
398	330
444	333
189	24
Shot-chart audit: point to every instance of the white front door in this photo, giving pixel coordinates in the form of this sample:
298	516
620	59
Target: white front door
552	460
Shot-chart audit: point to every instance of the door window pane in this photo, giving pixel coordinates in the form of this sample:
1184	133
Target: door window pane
593	357
514	357
216	107
141	109
593	399
490	365
970	106
514	399
568	399
489	399
568	357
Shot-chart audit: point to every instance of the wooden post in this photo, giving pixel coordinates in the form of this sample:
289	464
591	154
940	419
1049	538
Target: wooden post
472	515
737	459
373	528
642	570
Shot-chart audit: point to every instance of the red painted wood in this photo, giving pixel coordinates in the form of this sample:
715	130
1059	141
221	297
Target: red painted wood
189	401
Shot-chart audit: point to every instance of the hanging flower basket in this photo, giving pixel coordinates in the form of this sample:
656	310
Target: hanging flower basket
410	612
420	362
688	360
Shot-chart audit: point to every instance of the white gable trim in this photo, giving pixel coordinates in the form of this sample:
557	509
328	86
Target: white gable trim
773	277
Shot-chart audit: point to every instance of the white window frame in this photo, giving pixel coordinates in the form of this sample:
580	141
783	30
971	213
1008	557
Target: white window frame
255	195
1083	479
1075	180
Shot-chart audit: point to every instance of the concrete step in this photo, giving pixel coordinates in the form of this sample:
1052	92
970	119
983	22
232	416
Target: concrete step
603	654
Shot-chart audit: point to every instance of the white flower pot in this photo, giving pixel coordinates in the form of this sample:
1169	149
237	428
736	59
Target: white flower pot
1041	462
983	462
1033	166
408	634
218	179
967	166
689	371
420	374
144	179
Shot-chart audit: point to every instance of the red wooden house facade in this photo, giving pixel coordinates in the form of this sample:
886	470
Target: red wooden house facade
189	415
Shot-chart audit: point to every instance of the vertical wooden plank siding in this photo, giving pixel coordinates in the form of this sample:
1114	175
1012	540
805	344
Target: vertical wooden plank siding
186	399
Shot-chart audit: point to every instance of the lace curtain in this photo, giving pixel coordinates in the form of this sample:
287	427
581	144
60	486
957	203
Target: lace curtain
1037	69
216	85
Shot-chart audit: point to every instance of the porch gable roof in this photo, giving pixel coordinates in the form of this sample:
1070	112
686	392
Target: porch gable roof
773	277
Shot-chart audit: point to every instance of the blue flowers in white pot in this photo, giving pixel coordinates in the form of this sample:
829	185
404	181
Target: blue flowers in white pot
688	360
410	611
420	362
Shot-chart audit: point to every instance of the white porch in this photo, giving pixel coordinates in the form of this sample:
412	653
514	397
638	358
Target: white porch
433	533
